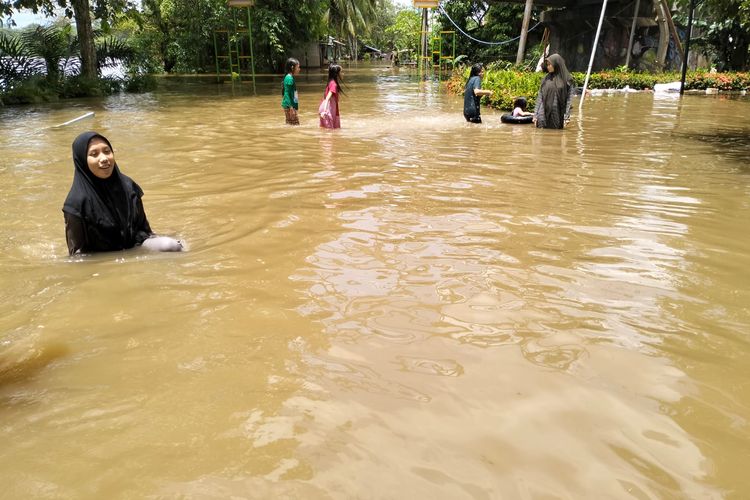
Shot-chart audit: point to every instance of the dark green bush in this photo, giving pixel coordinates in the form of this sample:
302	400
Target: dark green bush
33	90
80	86
140	82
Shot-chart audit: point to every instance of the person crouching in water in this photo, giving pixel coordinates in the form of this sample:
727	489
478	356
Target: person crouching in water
473	93
519	107
103	210
555	95
289	97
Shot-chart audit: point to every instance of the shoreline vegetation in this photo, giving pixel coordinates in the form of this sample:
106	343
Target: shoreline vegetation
102	48
507	84
35	87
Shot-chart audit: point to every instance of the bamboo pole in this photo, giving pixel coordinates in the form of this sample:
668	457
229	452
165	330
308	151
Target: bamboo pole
250	41
424	45
632	33
593	53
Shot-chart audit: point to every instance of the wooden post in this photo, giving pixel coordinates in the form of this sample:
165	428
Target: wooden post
424	42
687	47
524	31
672	29
661	19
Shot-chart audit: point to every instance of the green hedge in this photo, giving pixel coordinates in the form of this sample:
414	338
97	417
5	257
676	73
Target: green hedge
509	84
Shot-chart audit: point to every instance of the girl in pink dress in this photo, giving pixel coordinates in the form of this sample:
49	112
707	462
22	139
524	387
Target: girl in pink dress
329	106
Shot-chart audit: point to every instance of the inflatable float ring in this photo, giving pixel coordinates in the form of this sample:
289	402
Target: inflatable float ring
509	118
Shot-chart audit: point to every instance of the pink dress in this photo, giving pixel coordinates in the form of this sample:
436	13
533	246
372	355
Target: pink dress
331	118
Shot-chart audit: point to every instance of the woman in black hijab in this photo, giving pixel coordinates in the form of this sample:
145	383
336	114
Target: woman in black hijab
555	95
103	211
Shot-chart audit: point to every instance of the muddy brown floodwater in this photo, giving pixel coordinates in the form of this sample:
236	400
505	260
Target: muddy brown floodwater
408	307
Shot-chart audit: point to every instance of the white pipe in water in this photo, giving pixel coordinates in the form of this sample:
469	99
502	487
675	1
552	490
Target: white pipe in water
86	115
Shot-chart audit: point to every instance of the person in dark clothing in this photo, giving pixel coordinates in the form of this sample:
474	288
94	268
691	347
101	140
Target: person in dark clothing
555	95
473	93
103	210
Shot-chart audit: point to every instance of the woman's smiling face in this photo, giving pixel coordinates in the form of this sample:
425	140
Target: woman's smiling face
100	158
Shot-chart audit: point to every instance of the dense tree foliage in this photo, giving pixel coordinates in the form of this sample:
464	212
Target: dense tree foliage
42	63
351	19
489	22
724	27
173	35
282	25
81	11
178	35
377	35
404	32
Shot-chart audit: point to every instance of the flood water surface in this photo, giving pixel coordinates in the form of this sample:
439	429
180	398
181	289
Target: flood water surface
409	307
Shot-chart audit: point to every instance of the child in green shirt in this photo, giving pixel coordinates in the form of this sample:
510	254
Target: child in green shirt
289	92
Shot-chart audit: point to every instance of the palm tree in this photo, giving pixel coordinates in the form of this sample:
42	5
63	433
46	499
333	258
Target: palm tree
17	63
350	18
52	53
55	44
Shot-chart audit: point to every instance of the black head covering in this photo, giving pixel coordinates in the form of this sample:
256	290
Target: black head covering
555	89
110	209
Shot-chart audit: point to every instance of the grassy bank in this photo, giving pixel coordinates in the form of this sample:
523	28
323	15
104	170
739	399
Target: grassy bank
509	84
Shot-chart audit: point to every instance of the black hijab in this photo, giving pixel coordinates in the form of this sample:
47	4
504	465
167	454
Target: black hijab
555	91
110	209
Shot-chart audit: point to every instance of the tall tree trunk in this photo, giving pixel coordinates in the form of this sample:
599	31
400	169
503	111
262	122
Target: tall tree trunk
738	54
82	16
352	47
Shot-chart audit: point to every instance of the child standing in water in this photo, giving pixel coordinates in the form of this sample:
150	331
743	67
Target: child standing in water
329	106
289	100
473	94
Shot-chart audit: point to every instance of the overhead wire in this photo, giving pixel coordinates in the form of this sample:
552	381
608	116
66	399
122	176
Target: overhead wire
442	11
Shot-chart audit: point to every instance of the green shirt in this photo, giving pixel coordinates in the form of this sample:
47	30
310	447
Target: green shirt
289	93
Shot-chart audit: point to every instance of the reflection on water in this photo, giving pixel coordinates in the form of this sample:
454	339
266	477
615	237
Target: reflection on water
411	305
729	144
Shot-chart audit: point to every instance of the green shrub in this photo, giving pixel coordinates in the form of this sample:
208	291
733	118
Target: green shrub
33	90
507	84
140	82
80	86
721	81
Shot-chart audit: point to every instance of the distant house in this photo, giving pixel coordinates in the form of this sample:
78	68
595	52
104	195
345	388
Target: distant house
374	53
317	54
